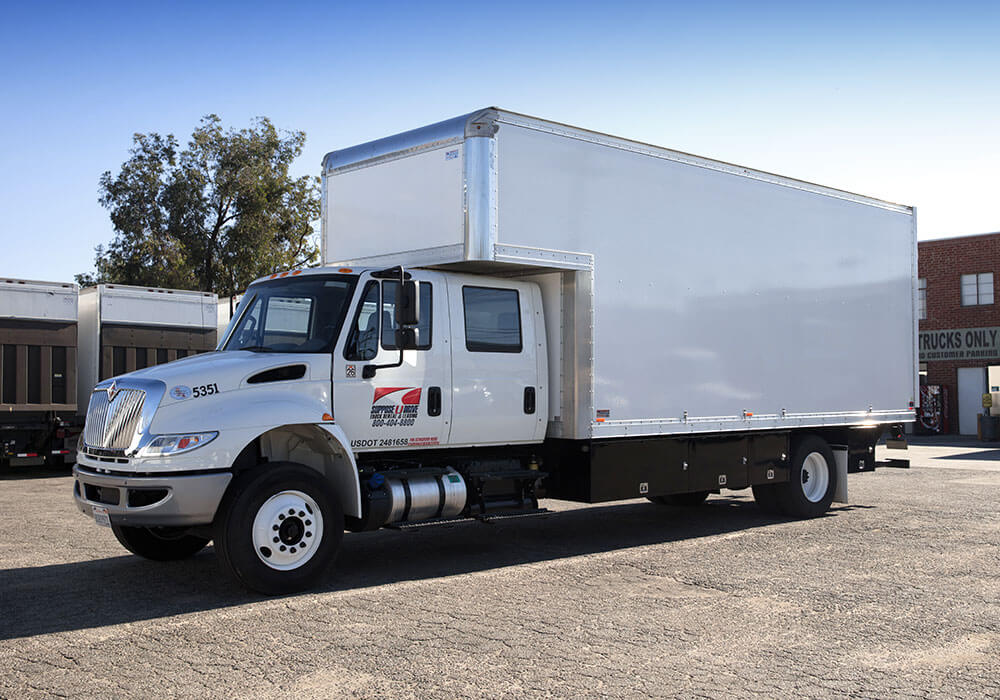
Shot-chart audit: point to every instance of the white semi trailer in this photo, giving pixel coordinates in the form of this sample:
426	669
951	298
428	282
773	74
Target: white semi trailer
38	335
512	308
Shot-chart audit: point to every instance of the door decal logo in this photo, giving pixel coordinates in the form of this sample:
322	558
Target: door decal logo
395	406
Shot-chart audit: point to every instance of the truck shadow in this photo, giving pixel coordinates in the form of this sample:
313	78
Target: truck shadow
983	455
22	473
116	590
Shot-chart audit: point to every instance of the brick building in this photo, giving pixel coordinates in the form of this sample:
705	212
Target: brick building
959	324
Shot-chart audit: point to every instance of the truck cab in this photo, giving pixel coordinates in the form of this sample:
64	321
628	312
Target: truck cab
319	374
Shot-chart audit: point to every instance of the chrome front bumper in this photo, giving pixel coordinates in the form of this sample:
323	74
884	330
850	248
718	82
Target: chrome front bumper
151	501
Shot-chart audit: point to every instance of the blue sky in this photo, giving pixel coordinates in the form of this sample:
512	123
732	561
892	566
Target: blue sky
896	100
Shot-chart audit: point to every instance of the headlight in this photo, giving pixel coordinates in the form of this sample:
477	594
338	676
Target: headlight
175	444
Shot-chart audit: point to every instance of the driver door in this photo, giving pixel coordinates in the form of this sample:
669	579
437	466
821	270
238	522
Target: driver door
400	407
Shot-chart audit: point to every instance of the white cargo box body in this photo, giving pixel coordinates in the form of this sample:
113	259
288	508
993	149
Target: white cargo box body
32	300
682	294
152	317
38	337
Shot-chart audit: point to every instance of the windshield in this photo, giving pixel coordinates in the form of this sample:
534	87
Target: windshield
302	314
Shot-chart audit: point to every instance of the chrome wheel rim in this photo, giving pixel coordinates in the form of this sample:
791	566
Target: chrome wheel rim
287	530
815	477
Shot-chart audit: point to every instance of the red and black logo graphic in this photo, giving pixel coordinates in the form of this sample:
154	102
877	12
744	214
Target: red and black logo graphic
395	406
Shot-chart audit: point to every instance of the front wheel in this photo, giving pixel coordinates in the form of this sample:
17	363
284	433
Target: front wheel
279	528
159	543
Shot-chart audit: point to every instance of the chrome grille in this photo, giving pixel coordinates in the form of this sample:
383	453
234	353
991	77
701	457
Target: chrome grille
111	424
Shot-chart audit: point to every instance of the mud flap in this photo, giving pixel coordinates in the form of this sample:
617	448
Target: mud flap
840	458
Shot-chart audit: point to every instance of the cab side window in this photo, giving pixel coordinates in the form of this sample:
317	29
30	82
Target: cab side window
362	343
492	319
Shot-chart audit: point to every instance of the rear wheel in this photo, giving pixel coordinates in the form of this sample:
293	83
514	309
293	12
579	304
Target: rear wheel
279	528
159	543
684	500
812	480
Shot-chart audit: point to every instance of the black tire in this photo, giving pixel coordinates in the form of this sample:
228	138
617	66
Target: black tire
159	543
682	500
767	498
792	496
234	528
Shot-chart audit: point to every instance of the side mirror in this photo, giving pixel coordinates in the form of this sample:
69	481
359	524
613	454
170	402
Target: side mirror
407	338
408	305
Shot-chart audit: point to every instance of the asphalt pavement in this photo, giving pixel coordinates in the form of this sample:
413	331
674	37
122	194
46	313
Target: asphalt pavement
894	595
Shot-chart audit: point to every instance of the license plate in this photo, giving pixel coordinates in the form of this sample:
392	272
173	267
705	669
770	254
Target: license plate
101	516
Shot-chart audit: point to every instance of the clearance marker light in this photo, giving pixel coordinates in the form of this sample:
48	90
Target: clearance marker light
327	417
297	272
345	269
283	274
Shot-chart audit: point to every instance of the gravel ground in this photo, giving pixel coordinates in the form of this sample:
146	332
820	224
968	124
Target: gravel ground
896	595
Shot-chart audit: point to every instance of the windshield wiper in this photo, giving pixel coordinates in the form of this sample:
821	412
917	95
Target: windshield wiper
257	348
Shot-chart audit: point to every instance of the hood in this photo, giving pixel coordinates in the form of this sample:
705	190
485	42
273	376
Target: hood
221	372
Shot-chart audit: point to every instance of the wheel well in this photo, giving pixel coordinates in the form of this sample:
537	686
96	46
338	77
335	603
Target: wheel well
312	447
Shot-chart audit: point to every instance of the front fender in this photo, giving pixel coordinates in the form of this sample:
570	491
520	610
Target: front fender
346	481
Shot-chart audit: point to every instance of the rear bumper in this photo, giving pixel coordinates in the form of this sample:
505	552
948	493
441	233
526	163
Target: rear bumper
151	501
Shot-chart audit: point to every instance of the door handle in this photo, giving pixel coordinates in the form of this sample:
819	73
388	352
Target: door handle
434	401
529	399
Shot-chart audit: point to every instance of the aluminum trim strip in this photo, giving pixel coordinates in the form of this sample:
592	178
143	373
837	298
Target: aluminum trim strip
543	256
725	424
406	143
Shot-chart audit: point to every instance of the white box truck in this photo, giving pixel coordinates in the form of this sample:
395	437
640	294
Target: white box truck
38	335
512	308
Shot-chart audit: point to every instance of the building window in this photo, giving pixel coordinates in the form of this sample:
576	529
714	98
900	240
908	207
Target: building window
922	298
977	289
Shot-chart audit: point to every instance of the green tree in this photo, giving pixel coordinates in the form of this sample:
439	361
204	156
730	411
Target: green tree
214	216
